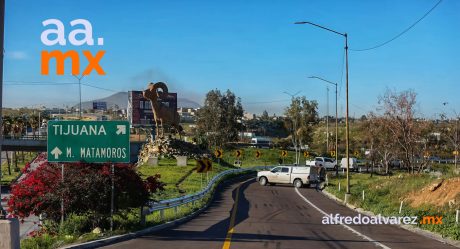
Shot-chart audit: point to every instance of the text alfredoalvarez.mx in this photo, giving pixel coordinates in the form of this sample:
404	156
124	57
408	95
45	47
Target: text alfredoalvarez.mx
86	35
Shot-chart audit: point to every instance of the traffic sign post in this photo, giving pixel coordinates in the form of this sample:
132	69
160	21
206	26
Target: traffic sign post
356	153
219	153
238	153
88	141
92	142
284	154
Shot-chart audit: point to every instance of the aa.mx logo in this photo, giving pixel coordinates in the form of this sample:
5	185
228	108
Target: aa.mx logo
85	36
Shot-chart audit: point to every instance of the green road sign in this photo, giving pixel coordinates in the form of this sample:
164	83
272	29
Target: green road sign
88	141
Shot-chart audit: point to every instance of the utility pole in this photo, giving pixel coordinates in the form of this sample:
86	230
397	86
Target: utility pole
79	92
456	142
347	153
336	115
2	29
327	121
294	134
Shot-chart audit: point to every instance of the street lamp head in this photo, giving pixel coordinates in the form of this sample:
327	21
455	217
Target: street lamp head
300	22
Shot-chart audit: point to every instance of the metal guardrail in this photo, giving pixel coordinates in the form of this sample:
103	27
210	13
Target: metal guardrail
175	202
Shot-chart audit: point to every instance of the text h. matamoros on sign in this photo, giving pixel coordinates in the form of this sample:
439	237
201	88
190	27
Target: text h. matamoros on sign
88	141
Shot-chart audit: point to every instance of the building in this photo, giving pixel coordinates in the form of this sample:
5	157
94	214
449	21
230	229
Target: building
187	115
100	105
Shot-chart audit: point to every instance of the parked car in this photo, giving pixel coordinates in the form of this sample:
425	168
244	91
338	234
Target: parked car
296	175
327	163
353	163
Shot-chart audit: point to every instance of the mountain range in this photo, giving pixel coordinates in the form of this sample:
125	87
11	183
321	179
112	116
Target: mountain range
121	100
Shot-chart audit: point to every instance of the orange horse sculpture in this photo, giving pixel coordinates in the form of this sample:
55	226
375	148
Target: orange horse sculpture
161	115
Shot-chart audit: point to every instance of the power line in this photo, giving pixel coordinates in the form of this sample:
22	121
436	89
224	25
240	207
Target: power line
101	88
400	34
10	82
266	102
46	83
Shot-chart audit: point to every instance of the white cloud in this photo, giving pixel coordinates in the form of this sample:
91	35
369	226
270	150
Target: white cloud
16	55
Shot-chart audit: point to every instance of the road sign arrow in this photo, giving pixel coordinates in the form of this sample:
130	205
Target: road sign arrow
121	129
56	152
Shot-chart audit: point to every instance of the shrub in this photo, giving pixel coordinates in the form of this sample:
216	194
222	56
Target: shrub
86	190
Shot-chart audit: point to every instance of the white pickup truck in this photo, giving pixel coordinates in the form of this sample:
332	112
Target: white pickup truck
326	162
296	175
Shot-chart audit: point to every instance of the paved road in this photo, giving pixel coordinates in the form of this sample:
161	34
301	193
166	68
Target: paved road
276	217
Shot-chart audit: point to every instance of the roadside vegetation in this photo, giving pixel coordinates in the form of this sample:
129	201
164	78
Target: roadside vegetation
383	195
12	166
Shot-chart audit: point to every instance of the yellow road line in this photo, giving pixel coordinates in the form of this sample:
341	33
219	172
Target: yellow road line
228	239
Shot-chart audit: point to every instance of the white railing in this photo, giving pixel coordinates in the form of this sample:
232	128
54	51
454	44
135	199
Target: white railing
176	202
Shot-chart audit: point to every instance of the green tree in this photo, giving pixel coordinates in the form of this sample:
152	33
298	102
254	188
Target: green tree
219	121
407	133
265	116
301	115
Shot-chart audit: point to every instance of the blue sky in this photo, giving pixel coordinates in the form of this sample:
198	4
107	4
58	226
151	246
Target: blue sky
250	47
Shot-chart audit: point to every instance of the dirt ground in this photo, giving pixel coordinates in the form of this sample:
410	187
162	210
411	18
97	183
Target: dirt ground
448	191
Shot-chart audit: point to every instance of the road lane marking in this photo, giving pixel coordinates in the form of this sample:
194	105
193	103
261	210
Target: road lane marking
228	238
347	227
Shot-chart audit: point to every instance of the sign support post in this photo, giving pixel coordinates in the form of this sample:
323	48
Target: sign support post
112	197
62	196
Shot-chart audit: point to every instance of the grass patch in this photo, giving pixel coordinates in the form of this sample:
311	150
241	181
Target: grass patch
383	195
268	157
7	178
128	221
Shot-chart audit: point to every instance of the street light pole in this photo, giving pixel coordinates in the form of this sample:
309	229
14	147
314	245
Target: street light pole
346	116
336	115
347	132
297	157
327	121
2	29
79	92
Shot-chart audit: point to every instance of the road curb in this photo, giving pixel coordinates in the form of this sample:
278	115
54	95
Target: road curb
410	228
149	230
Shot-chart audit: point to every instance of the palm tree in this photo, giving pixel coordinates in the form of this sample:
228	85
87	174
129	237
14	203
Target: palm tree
7	125
6	129
34	123
18	126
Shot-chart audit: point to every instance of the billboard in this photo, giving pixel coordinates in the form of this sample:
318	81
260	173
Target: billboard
140	110
100	105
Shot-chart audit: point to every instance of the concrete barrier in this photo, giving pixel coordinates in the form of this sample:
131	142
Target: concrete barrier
9	234
181	160
152	161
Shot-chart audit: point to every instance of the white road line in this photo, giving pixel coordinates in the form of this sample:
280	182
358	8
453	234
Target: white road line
347	227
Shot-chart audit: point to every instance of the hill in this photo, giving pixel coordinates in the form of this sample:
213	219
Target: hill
121	100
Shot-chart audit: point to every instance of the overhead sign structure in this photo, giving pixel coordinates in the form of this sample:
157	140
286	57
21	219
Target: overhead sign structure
284	153
258	154
219	153
88	141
